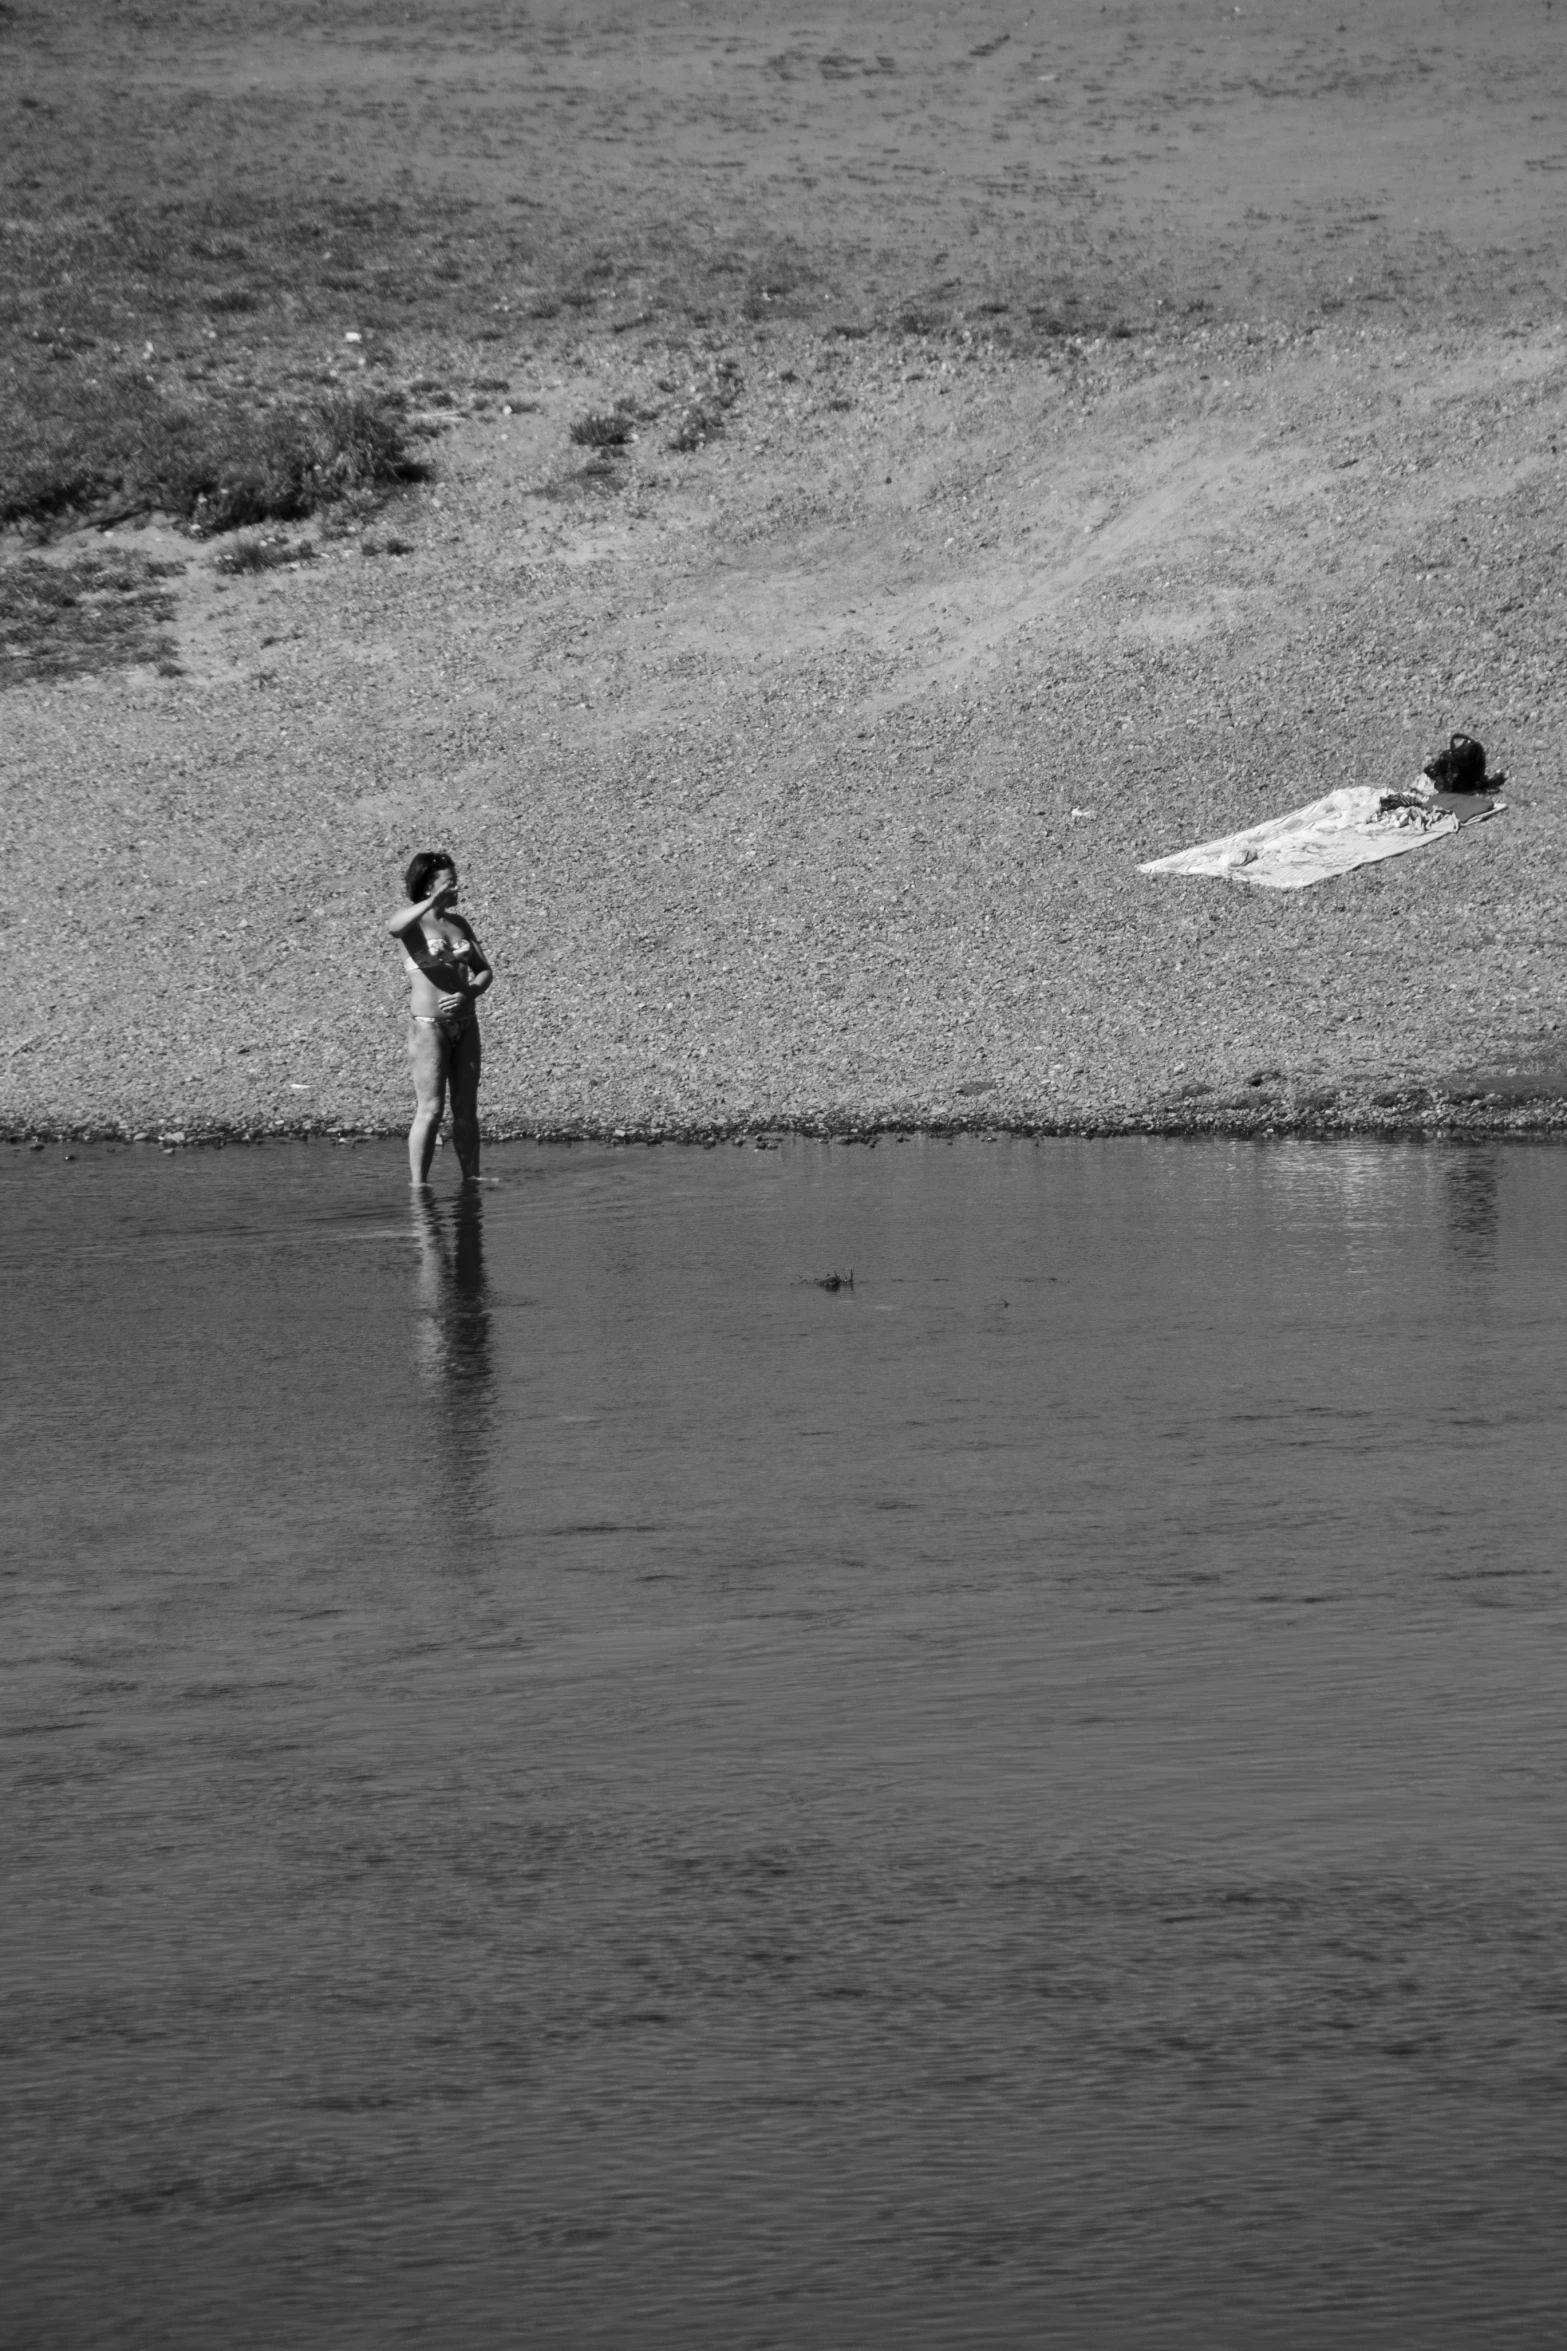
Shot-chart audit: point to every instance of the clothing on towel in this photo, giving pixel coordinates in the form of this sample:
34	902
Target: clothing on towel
1353	826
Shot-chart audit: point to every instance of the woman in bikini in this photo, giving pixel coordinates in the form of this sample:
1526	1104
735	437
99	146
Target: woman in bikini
449	972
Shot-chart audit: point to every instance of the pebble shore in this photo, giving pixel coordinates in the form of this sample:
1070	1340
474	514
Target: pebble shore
799	780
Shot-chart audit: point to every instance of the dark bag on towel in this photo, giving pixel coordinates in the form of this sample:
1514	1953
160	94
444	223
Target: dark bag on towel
1460	768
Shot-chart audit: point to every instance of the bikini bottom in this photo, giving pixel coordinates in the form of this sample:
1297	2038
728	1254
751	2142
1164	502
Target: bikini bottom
453	1026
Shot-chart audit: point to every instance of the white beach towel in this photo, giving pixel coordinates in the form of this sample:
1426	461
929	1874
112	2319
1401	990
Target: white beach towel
1354	826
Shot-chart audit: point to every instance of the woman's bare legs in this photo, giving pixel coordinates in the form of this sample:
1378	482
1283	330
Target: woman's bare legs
428	1055
463	1072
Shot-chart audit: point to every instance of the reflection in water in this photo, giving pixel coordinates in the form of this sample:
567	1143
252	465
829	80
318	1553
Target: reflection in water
452	1340
1472	1199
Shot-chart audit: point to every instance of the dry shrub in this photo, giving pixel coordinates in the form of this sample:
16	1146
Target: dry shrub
705	411
263	554
603	432
226	470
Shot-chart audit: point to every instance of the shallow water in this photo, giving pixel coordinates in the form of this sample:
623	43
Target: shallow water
564	1784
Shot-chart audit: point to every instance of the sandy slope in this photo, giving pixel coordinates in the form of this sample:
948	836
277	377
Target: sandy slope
803	778
763	766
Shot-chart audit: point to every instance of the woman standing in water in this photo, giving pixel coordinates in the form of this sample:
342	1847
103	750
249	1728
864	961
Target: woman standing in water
449	972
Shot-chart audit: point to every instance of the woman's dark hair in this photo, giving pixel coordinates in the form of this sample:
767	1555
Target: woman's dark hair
422	872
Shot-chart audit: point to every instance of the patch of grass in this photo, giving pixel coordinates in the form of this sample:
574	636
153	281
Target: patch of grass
124	447
147	312
145	316
99	611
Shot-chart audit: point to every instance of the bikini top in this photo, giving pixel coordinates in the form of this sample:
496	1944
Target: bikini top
419	955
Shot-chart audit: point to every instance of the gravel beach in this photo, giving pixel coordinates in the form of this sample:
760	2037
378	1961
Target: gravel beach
800	778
